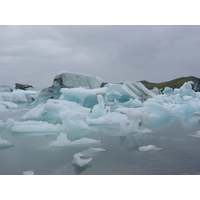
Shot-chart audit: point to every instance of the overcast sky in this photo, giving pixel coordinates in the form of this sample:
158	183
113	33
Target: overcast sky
34	54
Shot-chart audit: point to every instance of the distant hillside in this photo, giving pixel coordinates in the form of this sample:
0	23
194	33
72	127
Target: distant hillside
176	83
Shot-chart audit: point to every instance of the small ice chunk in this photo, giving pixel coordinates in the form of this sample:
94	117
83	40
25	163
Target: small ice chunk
195	135
5	143
30	172
149	148
79	161
62	141
91	152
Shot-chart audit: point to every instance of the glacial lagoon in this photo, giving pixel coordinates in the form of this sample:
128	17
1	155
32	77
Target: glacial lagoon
115	129
179	153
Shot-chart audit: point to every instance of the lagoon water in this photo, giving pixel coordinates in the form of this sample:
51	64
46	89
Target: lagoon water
179	156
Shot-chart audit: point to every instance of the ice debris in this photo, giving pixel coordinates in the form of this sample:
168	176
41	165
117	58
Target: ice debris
149	148
80	161
62	141
29	172
195	135
5	143
91	152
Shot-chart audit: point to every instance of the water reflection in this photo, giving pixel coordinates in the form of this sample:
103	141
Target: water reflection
79	170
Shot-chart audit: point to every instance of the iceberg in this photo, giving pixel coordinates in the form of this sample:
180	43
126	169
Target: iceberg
5	88
62	141
108	118
98	110
9	105
135	116
168	91
83	96
79	161
159	116
74	121
34	127
67	80
186	90
137	90
5	143
91	152
149	148
195	135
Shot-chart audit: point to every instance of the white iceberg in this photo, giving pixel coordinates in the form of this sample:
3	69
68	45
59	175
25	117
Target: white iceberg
98	110
80	161
108	118
35	127
67	80
16	98
9	105
91	152
195	135
5	143
72	80
137	90
83	96
149	148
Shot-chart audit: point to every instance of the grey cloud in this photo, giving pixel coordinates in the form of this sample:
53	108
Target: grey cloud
34	54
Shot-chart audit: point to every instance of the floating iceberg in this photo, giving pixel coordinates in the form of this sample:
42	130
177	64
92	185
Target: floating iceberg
91	152
149	148
67	80
108	118
5	88
5	143
137	90
62	141
80	161
196	134
83	96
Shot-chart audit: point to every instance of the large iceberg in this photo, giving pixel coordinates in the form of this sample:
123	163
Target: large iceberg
68	80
